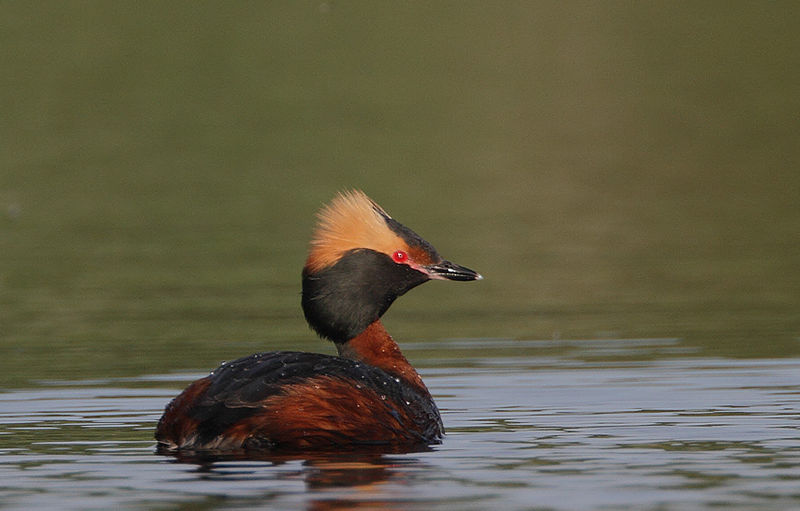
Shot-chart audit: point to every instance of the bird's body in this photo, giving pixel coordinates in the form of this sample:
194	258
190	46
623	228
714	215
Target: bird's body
361	260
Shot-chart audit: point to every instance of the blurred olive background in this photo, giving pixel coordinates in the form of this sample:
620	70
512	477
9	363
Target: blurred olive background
614	169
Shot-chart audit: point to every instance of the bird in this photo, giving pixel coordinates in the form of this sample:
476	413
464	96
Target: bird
360	260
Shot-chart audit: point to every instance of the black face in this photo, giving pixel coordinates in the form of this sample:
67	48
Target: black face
342	300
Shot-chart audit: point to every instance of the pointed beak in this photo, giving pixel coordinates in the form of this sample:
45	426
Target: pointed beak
446	270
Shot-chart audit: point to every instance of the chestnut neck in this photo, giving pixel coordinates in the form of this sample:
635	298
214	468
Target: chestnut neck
376	347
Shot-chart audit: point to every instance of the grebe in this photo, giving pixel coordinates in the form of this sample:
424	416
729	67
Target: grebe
360	261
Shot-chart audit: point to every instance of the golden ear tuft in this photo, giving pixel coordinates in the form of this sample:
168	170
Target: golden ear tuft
351	220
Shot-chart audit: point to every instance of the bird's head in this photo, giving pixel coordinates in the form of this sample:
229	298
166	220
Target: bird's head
361	260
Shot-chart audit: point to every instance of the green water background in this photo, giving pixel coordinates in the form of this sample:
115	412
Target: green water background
614	169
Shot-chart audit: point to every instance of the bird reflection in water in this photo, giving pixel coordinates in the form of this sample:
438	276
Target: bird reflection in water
364	470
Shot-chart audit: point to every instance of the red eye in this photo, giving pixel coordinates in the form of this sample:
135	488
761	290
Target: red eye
400	256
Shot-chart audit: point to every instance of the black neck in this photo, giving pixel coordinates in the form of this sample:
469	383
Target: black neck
342	300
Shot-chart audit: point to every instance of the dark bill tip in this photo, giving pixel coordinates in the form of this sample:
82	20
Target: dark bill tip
451	271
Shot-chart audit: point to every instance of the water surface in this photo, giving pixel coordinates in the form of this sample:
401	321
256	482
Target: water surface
523	433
